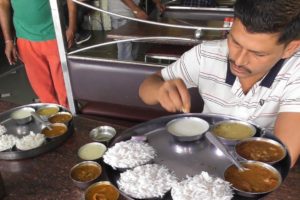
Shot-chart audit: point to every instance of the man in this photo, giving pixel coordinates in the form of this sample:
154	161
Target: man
128	8
36	45
254	75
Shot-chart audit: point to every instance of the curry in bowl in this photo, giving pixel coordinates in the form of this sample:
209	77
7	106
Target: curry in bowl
85	173
56	130
261	149
102	190
258	178
61	117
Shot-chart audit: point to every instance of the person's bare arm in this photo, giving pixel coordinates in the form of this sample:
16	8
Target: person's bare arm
287	129
5	21
136	10
172	95
159	6
72	26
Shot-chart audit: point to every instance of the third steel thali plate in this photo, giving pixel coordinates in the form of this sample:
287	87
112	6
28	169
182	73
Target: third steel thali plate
21	130
186	158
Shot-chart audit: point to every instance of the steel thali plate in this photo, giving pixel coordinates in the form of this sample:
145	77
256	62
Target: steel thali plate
22	130
187	158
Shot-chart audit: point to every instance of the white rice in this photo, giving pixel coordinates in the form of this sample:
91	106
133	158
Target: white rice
129	154
202	187
7	142
2	129
146	181
30	141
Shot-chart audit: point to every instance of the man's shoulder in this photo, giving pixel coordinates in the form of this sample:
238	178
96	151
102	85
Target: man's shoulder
216	46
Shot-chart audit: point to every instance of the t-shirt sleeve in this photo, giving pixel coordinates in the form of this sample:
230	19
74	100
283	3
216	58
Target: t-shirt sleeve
186	68
290	100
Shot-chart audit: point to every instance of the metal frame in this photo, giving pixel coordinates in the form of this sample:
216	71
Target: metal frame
60	37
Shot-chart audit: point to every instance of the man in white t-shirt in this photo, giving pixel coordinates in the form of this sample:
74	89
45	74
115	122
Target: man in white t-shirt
254	75
128	8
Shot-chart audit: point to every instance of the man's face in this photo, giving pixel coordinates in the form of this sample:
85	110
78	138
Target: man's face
252	55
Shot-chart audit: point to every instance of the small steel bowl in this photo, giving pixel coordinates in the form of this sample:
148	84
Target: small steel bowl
232	131
260	149
187	129
85	173
47	111
102	189
91	151
61	117
57	129
23	115
102	133
256	181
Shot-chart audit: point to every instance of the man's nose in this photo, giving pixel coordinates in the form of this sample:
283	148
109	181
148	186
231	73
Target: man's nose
242	58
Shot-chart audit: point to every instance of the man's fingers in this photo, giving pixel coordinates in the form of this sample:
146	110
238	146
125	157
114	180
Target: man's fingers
184	95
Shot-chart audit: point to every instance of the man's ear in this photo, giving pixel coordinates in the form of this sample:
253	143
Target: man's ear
291	48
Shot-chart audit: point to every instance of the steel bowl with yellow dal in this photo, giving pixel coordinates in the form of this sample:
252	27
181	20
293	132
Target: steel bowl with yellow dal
231	131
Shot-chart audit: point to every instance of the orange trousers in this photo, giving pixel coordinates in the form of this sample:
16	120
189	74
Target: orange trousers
43	68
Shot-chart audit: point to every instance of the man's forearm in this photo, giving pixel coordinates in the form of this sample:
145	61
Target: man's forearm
131	5
72	10
5	20
148	90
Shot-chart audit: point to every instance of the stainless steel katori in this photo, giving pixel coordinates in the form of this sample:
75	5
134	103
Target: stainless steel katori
189	158
15	128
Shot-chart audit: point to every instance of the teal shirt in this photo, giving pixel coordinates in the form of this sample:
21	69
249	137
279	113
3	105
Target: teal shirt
33	20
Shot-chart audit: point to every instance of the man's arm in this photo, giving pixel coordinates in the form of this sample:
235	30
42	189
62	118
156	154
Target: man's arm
136	10
72	26
159	6
287	129
172	95
5	21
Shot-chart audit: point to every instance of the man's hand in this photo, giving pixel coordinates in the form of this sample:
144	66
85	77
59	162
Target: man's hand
174	96
11	52
159	6
140	14
70	35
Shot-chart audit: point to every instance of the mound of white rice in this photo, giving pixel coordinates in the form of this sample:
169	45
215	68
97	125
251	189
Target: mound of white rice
146	181
202	187
30	141
2	129
129	154
7	142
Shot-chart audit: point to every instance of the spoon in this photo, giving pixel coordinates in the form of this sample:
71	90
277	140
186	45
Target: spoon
38	118
215	141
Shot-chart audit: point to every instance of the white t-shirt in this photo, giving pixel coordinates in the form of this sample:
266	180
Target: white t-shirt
206	67
118	7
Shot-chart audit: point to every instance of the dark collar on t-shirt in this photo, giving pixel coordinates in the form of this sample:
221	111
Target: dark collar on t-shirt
266	82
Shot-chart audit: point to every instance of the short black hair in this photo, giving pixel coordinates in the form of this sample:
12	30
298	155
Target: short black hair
270	16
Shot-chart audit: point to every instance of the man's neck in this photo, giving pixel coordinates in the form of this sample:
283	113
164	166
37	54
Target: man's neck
247	83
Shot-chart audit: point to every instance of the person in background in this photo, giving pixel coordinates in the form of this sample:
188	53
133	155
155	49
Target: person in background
128	8
252	75
199	3
81	34
36	45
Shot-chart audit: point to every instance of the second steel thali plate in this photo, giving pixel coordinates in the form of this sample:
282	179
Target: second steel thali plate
186	158
22	130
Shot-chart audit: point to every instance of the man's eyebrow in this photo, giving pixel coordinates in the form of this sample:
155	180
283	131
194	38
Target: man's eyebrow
253	51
